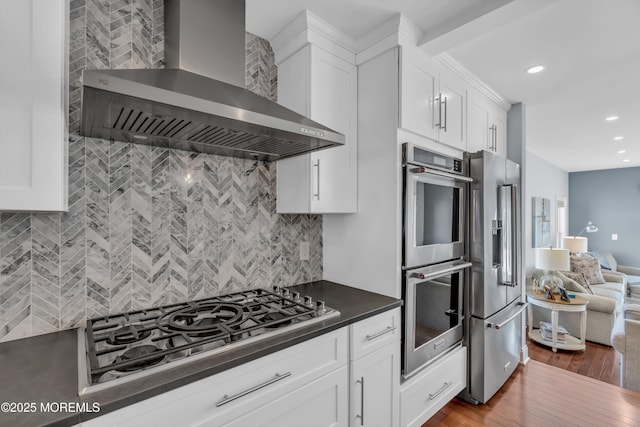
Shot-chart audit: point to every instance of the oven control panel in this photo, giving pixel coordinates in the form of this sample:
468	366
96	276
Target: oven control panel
419	156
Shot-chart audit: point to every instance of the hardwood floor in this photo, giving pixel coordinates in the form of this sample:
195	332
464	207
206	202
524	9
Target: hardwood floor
560	389
598	361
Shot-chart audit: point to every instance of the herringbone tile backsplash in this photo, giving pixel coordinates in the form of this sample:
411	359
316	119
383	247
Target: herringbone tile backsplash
146	226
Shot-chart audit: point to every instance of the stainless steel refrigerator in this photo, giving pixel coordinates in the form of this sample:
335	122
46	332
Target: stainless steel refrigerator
494	302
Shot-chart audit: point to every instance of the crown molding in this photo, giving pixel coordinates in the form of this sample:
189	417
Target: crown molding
448	61
308	28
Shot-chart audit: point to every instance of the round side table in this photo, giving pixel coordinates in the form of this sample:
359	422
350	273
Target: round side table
556	305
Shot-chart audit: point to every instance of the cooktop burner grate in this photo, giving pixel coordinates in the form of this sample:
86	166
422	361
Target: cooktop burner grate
121	344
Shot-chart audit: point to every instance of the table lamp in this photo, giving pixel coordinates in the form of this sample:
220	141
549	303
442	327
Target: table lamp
575	244
551	260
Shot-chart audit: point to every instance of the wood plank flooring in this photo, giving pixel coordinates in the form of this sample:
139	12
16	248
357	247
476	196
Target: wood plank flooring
560	389
598	361
540	395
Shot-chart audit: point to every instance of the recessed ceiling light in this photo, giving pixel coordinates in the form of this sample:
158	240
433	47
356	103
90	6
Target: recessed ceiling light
142	137
622	151
535	69
611	118
618	138
626	160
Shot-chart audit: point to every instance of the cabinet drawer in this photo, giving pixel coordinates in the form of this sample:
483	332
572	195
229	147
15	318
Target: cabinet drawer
240	389
424	395
320	403
374	333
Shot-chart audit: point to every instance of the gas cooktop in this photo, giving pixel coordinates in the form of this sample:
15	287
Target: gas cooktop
126	346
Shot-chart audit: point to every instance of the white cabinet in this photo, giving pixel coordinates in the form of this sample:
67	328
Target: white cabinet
432	100
375	371
430	390
486	125
320	403
323	87
33	105
272	390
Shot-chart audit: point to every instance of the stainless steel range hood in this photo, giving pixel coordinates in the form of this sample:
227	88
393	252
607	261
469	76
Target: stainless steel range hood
199	103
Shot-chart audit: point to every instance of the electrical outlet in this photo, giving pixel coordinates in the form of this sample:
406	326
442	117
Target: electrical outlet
614	237
304	251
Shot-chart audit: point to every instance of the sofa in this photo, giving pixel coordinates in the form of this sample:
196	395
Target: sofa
625	338
605	305
608	262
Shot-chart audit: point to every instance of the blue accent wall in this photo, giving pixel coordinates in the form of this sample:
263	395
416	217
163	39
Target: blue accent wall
610	199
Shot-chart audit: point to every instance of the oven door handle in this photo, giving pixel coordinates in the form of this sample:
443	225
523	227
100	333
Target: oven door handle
437	273
501	324
430	171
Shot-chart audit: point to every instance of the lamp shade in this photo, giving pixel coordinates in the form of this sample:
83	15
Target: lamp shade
552	259
575	244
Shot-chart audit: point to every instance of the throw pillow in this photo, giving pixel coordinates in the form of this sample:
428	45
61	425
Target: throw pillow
604	260
570	285
588	266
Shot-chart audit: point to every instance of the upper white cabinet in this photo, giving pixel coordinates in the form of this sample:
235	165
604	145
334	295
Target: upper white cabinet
486	125
33	105
432	100
323	87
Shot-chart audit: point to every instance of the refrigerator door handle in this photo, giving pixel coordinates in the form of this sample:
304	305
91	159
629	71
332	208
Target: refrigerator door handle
523	306
509	246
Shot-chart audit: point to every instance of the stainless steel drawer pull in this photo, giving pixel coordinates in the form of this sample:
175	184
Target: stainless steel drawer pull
386	331
439	392
226	398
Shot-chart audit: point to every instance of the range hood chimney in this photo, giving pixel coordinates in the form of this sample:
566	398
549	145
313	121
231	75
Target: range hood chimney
199	102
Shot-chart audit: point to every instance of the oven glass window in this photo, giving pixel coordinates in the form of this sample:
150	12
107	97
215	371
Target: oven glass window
437	307
437	214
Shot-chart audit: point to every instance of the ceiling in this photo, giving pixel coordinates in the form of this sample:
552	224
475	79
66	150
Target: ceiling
590	50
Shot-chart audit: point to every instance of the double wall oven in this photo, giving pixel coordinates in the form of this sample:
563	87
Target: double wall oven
434	268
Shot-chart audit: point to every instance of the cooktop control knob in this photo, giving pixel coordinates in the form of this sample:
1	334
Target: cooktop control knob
320	308
296	296
285	292
308	301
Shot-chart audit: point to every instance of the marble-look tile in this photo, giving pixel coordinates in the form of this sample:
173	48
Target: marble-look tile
141	212
45	276
160	226
120	227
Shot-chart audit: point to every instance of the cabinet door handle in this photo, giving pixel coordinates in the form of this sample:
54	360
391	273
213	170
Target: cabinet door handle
227	399
440	391
494	137
317	193
445	114
377	334
439	101
361	416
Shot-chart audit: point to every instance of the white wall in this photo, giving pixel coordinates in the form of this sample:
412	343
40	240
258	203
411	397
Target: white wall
543	180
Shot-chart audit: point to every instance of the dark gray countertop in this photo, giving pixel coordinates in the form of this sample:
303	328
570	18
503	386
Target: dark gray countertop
43	369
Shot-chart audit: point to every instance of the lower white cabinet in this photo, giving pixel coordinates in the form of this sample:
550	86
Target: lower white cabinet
268	391
375	371
374	388
320	403
426	393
